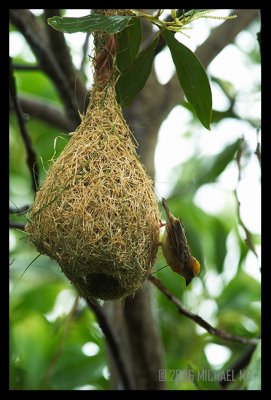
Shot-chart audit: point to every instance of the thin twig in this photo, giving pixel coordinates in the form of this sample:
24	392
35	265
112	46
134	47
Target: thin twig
161	42
25	67
258	153
84	52
31	156
112	342
259	33
71	315
249	236
258	149
238	365
18	210
11	262
17	225
197	319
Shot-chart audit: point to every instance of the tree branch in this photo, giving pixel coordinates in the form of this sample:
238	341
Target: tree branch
145	343
19	210
259	33
224	34
26	67
62	54
249	241
197	319
27	24
238	365
258	150
45	111
31	156
112	342
17	225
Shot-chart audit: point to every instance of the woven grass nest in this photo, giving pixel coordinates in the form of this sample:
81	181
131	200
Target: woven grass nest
96	213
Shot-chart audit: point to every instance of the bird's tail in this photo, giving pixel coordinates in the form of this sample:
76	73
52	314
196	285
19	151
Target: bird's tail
164	204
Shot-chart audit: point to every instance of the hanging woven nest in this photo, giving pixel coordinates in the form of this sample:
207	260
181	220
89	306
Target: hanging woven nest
96	213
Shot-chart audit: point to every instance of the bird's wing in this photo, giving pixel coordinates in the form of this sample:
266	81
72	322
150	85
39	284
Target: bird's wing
177	239
176	234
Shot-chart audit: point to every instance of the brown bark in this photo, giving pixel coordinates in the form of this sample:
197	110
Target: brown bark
34	33
62	54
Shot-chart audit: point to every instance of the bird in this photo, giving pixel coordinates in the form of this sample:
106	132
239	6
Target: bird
176	249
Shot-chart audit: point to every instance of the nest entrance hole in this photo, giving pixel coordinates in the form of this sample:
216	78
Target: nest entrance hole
104	286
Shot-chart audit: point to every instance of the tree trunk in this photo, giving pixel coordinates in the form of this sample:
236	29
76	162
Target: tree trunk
134	323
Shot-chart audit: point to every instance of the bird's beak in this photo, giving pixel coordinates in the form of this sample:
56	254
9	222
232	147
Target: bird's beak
188	280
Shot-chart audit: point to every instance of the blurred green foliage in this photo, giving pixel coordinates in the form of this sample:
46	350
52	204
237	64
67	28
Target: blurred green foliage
46	340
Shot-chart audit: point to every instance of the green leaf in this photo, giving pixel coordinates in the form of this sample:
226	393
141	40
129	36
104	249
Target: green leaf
192	77
217	116
199	171
232	298
129	40
135	77
226	86
90	23
220	236
254	370
41	299
214	166
33	349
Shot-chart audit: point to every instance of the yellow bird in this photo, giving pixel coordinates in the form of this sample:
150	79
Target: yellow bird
176	250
